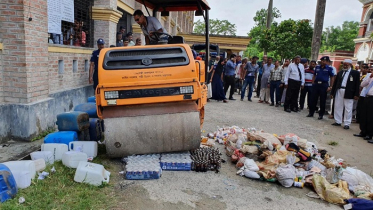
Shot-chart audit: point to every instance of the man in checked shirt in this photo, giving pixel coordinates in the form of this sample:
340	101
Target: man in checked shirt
274	83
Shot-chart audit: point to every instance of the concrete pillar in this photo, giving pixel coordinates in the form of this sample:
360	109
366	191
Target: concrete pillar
105	23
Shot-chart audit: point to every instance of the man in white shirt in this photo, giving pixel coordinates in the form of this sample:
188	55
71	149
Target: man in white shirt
366	115
294	81
149	26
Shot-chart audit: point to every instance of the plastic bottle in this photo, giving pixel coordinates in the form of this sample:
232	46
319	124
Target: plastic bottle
299	184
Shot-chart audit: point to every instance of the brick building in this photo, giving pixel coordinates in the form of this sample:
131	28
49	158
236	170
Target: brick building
363	48
42	74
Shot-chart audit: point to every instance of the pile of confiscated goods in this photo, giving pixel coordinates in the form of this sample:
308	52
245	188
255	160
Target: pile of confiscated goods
293	161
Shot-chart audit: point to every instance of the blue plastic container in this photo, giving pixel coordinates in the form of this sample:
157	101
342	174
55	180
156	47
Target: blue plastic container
73	121
8	185
96	129
89	108
91	99
62	137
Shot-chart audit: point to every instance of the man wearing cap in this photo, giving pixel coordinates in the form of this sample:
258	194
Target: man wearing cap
149	26
320	86
294	81
93	69
345	89
307	90
250	72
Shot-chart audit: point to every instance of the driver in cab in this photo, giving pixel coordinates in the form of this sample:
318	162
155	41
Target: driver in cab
149	26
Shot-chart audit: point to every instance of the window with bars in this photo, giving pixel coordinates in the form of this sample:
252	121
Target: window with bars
79	33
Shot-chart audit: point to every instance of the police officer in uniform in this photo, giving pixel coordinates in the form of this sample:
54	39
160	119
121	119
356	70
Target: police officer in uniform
320	86
93	69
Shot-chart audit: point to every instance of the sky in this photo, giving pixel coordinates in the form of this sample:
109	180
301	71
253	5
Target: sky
243	11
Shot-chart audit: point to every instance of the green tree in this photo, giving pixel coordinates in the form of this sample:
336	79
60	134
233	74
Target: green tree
292	38
259	34
340	37
217	27
261	16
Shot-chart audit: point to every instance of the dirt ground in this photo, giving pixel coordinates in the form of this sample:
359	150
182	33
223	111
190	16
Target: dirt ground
226	190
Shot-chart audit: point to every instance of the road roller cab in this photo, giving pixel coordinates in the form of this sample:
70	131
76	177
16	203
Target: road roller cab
152	97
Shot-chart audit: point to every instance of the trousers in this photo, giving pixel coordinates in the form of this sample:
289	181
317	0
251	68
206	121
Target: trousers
306	91
319	91
229	81
258	86
275	86
366	117
342	104
292	94
264	94
249	81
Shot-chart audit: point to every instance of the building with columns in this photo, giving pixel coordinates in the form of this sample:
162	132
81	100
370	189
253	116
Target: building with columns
43	74
363	48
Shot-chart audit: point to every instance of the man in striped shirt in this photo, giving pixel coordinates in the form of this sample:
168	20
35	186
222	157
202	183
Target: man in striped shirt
307	90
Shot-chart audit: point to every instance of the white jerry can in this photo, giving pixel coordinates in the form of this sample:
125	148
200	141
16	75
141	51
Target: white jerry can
71	159
56	149
88	147
91	173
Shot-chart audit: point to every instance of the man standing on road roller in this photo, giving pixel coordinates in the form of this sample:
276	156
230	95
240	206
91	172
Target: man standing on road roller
93	69
149	26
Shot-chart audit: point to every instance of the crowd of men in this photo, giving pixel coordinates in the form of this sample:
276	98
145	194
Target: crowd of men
289	85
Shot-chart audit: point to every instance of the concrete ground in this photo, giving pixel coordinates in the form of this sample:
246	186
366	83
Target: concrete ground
226	190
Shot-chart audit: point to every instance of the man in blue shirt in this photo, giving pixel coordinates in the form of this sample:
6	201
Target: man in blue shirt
320	86
230	73
250	71
93	69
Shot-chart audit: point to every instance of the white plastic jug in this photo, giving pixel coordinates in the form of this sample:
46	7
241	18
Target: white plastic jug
23	178
56	149
91	173
71	159
88	147
46	155
40	164
22	165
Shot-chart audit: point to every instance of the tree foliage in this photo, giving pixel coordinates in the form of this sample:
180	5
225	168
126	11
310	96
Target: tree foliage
261	16
259	34
282	40
340	37
217	27
292	38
